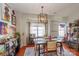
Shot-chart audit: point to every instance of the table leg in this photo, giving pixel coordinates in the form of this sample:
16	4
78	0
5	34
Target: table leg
61	48
39	50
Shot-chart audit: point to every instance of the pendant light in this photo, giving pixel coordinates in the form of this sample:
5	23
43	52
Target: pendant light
42	17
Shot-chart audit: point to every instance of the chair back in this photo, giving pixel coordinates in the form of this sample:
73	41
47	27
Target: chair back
51	45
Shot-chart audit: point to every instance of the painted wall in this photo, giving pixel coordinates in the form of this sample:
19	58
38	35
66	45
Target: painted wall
22	27
55	20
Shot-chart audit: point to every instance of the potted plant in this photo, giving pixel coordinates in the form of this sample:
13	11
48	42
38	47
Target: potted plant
17	34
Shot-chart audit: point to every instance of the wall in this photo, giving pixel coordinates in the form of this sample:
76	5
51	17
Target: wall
21	27
55	20
53	25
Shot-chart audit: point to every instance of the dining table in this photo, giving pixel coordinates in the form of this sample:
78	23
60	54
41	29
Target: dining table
42	41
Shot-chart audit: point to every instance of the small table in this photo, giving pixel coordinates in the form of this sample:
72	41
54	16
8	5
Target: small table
40	42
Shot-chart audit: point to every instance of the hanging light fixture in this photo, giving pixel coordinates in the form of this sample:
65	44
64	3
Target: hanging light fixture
42	17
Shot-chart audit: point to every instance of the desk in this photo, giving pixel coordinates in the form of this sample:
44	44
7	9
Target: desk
40	42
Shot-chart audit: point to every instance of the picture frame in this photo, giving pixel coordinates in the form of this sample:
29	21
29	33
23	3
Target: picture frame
13	18
0	12
3	28
6	12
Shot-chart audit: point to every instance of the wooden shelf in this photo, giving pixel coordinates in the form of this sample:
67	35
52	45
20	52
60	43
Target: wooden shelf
2	43
9	23
4	21
13	26
2	54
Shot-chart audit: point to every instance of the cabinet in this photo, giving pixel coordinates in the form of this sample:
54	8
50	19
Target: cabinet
9	48
73	35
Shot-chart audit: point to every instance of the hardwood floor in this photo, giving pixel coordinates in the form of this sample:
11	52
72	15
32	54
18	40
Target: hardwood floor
22	50
71	50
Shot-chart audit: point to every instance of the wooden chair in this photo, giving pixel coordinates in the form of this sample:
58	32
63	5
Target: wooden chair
51	46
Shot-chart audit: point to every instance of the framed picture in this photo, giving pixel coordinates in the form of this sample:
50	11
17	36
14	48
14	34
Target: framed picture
0	11
3	28
6	12
1	24
6	28
13	18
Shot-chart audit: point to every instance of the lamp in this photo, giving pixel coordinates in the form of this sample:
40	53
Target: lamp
42	17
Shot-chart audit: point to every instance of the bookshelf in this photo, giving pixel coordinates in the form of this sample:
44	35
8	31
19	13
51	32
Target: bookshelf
8	43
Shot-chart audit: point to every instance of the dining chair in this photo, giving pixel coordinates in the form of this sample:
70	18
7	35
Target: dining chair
51	47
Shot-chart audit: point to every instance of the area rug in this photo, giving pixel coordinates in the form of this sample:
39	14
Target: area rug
67	53
31	52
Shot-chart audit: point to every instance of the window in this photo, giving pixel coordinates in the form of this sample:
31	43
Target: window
41	31
62	30
37	29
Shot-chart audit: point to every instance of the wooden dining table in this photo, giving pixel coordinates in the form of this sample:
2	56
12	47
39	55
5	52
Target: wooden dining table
43	42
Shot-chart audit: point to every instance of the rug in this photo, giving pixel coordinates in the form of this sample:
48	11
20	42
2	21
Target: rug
31	52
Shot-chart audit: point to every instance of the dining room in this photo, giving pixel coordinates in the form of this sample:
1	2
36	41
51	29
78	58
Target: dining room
39	29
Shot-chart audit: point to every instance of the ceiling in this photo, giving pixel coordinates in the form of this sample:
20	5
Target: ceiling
65	9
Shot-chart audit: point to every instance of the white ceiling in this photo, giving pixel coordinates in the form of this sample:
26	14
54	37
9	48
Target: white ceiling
65	9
